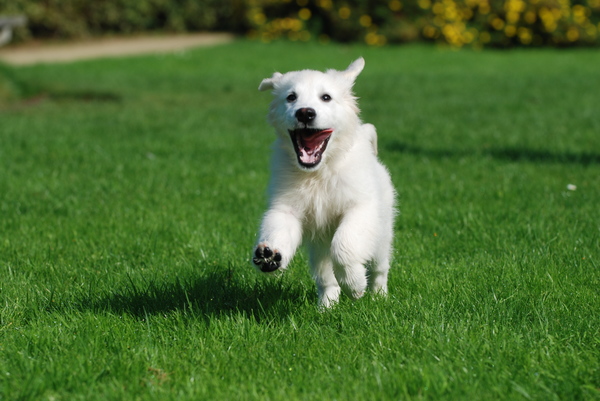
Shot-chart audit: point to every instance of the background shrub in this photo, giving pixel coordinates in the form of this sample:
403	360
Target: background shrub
478	23
454	22
83	18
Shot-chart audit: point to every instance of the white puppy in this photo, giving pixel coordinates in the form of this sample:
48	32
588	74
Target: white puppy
327	187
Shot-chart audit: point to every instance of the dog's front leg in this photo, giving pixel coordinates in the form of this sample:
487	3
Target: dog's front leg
279	237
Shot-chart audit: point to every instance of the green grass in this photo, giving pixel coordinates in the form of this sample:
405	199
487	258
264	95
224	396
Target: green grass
131	193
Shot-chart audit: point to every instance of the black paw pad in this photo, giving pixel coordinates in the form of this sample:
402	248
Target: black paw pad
267	259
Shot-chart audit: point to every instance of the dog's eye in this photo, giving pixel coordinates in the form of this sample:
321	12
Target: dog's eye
291	97
326	98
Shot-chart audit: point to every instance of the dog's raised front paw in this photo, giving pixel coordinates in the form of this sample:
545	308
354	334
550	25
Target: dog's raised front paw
266	259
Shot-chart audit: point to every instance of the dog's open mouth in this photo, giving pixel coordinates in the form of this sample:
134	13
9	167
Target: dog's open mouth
310	144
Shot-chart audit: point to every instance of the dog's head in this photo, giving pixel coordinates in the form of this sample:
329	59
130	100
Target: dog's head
313	111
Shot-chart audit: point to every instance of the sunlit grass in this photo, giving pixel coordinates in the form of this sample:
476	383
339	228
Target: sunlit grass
131	192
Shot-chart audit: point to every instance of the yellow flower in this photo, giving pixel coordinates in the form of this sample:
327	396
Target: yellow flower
510	31
525	36
344	12
429	31
530	17
548	19
514	6
287	24
325	4
484	8
451	14
468	37
453	35
304	14
572	34
291	24
296	24
497	24
374	39
371	38
438	8
304	36
395	5
512	17
424	4
259	18
467	14
365	21
579	14
591	31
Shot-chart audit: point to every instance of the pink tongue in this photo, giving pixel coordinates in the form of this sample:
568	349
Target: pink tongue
310	143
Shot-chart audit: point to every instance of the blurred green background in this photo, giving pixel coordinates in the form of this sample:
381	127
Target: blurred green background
457	23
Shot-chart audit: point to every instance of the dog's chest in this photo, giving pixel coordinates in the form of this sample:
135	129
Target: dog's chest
323	204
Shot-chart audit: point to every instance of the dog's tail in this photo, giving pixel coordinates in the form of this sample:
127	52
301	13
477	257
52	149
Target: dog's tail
371	134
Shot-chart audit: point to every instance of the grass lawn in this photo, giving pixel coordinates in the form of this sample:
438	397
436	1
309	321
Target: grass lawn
130	195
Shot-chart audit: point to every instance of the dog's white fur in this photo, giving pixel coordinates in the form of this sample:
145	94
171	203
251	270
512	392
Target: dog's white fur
342	208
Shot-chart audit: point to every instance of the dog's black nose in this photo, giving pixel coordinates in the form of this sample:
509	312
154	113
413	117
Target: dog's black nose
306	114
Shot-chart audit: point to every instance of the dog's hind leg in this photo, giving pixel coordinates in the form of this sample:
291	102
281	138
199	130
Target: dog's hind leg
378	276
352	279
353	245
321	264
378	271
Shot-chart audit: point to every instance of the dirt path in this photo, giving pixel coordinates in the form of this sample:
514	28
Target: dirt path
117	47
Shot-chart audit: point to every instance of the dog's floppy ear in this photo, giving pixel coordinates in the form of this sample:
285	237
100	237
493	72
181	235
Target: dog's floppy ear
354	69
269	83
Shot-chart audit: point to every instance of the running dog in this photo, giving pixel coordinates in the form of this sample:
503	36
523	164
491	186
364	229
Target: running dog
328	189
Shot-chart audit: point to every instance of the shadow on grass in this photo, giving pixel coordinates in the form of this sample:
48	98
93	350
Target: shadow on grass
83	95
17	91
215	293
510	154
